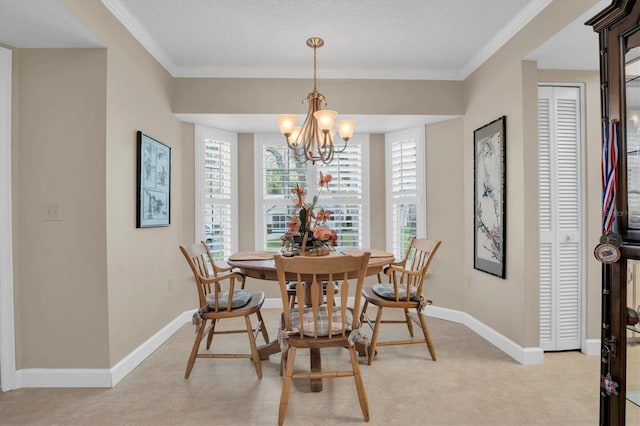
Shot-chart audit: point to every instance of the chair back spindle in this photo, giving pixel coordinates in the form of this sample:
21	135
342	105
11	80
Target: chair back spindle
198	258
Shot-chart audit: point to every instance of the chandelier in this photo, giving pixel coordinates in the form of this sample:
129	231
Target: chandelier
314	140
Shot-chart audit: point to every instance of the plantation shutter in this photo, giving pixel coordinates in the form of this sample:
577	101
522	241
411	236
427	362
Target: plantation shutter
347	216
346	196
216	210
405	214
560	214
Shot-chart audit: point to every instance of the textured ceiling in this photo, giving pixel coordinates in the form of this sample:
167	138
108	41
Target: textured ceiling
408	39
399	39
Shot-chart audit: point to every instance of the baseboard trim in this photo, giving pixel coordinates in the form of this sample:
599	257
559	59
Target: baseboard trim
272	303
131	361
99	377
63	378
529	355
109	377
591	347
532	355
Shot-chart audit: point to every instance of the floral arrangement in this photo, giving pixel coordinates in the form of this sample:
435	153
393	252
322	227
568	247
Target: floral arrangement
307	229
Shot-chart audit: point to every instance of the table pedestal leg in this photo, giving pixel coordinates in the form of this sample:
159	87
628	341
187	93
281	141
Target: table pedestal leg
269	349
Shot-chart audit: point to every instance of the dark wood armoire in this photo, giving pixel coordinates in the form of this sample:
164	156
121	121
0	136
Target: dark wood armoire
618	26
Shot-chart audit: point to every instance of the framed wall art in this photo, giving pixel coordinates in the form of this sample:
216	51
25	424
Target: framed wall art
154	183
489	163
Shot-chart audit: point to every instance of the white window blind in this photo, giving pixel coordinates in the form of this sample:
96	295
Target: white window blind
405	164
216	210
346	196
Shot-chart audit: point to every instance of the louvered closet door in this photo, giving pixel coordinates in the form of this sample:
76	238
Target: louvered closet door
560	179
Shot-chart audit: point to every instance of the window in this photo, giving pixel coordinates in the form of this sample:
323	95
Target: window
216	183
406	207
347	196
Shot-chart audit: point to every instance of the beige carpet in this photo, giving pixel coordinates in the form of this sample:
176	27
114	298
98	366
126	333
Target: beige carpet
471	383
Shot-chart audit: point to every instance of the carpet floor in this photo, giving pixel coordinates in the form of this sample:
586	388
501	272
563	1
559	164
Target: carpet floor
471	383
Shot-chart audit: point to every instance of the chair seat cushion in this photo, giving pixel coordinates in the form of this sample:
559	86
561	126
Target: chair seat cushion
323	321
240	299
386	291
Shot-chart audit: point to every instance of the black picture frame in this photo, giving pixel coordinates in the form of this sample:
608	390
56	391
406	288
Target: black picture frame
153	195
489	197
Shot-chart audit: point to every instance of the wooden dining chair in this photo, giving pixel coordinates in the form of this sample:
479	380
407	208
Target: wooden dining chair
218	268
220	299
322	324
404	291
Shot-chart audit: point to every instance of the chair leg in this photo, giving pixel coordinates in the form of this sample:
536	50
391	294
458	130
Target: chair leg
255	357
427	337
283	361
194	350
211	332
362	394
263	327
286	386
364	311
407	318
374	337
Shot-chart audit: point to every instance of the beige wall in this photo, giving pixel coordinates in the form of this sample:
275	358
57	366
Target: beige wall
106	286
147	280
61	266
246	191
445	208
506	85
77	113
272	96
377	194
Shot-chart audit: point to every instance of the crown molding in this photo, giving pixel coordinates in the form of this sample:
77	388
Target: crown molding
125	17
532	9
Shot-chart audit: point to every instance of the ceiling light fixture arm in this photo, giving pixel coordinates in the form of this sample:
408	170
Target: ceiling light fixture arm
314	140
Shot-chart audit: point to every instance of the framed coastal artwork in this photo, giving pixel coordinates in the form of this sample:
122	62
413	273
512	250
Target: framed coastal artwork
489	197
154	183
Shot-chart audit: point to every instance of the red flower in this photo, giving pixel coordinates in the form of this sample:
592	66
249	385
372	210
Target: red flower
323	215
294	225
300	193
324	179
325	234
305	221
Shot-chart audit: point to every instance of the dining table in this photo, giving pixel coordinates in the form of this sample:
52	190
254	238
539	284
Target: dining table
261	265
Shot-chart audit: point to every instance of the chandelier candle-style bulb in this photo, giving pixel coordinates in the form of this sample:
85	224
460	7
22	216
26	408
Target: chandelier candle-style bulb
325	119
346	129
287	123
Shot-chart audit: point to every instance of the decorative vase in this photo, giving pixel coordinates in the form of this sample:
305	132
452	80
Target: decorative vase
312	248
316	251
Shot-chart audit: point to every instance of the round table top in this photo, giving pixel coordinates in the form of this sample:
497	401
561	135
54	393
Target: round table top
260	264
